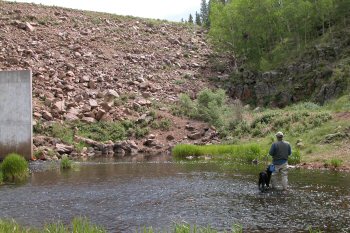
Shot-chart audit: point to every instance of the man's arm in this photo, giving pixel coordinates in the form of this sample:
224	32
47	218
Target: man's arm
272	149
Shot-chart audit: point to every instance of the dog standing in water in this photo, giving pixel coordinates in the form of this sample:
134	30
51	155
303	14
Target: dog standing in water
264	178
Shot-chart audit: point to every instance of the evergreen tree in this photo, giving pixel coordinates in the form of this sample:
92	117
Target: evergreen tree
190	19
198	19
204	12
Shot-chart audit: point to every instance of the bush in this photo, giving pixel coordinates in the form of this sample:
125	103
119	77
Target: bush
163	124
14	168
210	106
66	163
102	131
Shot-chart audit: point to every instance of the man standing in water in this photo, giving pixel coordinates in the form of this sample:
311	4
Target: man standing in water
280	151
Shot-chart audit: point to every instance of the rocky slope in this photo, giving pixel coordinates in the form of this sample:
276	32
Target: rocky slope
100	67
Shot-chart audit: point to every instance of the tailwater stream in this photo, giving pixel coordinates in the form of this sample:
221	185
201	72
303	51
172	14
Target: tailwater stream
127	196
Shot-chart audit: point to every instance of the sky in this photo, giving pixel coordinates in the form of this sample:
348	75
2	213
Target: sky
173	10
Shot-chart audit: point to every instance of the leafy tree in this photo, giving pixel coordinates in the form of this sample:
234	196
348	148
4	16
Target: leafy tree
265	31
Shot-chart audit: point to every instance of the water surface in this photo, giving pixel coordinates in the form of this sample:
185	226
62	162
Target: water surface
124	197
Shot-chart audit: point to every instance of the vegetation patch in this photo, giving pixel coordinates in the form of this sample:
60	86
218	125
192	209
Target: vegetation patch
245	152
14	168
66	163
99	131
295	158
293	122
334	162
163	124
210	106
78	225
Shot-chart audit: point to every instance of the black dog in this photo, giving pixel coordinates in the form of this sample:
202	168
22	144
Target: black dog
264	179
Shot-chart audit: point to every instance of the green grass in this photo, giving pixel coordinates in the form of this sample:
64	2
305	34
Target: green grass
78	225
244	152
82	225
339	105
334	162
66	163
14	168
295	158
63	132
311	230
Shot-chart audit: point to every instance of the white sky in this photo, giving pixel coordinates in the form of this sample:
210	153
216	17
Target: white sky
172	10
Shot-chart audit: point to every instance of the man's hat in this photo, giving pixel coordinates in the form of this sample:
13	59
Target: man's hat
279	134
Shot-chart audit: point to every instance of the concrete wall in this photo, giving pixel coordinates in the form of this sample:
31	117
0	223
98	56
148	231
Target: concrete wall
16	128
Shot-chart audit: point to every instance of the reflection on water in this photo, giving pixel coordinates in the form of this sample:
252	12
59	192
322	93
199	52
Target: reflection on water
124	197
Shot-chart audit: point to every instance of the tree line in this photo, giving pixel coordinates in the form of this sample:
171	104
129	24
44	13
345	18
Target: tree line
265	31
202	18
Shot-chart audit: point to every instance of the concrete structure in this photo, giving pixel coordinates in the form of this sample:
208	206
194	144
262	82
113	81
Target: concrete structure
16	127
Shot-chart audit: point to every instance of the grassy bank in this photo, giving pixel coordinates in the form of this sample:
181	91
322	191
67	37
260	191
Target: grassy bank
245	153
316	133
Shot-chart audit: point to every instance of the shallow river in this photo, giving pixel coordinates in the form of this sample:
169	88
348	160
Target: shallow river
125	197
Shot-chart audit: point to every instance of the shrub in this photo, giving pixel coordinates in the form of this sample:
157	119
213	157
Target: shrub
164	124
102	131
14	168
187	106
141	132
66	163
210	106
295	158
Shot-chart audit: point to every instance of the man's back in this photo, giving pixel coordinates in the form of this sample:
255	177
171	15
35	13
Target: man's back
280	150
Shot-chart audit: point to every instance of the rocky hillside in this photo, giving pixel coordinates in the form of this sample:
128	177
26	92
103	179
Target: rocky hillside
93	67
